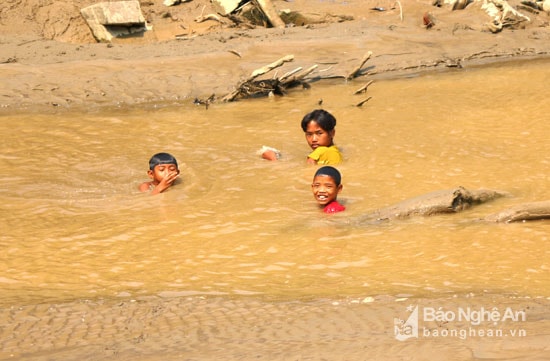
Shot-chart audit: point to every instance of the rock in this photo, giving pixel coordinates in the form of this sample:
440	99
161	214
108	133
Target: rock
114	19
546	5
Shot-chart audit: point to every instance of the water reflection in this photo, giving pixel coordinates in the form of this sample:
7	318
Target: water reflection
74	224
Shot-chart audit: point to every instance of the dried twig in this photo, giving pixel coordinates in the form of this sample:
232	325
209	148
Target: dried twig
300	77
206	102
363	102
235	52
290	73
356	71
363	89
400	10
271	66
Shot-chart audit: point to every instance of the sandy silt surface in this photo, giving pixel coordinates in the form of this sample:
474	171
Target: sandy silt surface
244	329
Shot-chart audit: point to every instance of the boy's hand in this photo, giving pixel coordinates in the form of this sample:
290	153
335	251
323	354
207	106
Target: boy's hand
165	183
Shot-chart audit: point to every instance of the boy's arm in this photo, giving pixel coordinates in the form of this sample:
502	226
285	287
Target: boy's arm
269	153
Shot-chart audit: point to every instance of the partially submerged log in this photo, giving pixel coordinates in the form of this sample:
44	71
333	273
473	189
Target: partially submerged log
522	212
438	202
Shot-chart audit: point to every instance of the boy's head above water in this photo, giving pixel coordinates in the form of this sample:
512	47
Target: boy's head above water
162	158
326	185
318	127
163	171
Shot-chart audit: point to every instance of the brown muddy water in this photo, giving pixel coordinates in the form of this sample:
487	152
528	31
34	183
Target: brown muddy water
75	227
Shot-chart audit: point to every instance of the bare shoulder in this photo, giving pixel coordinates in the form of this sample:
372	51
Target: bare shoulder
145	186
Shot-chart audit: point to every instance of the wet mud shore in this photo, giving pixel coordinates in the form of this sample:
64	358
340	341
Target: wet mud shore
198	328
40	74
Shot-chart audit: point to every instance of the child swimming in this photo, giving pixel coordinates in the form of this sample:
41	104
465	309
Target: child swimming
325	186
318	127
163	170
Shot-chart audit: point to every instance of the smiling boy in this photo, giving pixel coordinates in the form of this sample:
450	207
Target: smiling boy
325	186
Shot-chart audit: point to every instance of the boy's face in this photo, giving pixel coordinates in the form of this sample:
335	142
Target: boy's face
325	189
317	136
162	171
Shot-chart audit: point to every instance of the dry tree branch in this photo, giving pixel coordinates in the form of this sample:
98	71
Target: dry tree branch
271	66
363	102
364	87
356	71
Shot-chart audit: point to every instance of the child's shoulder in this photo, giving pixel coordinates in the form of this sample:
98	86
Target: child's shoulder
145	186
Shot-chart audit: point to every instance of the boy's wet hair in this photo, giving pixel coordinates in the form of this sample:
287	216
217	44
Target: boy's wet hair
321	117
162	158
330	172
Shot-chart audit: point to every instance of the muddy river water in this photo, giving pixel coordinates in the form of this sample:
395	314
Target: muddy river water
75	227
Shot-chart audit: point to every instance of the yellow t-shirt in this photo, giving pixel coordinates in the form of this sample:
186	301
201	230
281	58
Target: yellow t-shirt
326	155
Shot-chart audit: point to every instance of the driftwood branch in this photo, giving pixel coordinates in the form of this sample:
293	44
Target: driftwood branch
360	104
357	70
253	86
256	73
289	80
363	89
290	73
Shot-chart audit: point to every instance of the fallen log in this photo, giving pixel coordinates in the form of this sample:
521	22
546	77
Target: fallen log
522	212
438	202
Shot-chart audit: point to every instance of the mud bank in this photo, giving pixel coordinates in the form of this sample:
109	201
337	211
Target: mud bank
41	73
